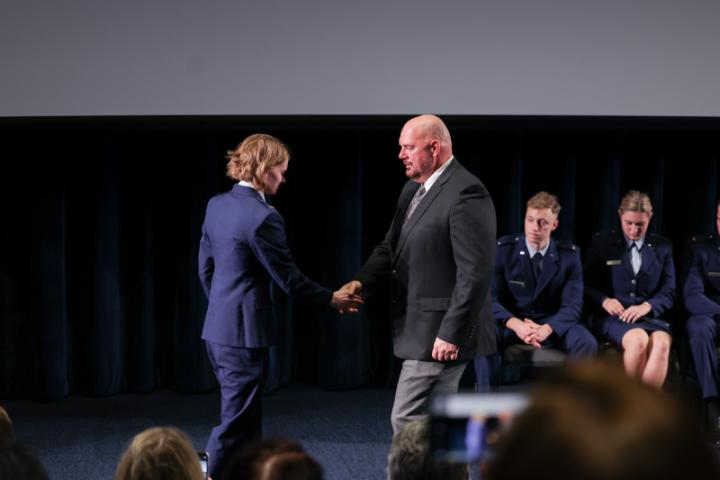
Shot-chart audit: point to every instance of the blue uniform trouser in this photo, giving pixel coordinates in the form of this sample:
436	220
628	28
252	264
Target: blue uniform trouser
702	331
241	373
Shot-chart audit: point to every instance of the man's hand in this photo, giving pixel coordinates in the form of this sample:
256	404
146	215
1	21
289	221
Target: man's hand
521	329
444	351
348	298
539	334
634	313
613	306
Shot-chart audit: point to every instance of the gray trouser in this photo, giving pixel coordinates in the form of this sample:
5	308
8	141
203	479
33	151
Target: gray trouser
419	379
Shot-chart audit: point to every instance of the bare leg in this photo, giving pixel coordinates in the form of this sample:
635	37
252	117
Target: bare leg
658	359
635	345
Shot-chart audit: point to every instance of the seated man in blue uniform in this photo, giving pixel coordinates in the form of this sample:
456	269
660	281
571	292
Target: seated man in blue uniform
630	285
701	294
538	288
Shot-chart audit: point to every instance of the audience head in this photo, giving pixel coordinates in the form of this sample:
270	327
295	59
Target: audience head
6	426
159	453
273	459
635	212
256	158
594	422
18	462
410	457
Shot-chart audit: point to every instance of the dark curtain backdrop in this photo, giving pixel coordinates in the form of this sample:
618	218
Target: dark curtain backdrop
101	220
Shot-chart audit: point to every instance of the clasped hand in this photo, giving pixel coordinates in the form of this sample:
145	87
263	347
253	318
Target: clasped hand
348	298
530	332
627	315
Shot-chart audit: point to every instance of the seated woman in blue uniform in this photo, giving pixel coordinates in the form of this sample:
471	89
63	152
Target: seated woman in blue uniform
630	287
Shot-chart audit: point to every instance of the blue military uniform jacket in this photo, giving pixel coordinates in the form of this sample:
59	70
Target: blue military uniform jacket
556	299
701	291
242	249
609	274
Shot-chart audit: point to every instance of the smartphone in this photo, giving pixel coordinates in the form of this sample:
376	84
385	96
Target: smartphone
464	427
203	456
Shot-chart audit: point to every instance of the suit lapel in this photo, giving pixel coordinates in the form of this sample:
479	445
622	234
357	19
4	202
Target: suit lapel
397	223
521	265
648	258
622	253
550	267
422	207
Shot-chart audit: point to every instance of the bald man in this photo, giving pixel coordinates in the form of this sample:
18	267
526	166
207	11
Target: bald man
439	253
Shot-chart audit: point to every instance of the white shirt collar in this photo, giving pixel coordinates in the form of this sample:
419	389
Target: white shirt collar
436	174
532	251
639	243
243	183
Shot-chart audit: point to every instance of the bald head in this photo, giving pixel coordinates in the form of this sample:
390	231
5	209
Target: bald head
425	146
430	127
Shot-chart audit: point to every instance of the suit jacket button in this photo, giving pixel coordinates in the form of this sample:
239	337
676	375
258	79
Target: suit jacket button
632	294
633	281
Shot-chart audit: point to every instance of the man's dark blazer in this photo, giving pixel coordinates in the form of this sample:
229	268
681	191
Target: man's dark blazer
701	291
243	247
440	266
609	274
556	299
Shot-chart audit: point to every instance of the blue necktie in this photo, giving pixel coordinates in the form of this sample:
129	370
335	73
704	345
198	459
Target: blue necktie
537	265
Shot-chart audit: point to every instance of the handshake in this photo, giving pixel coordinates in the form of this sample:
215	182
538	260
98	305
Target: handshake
348	298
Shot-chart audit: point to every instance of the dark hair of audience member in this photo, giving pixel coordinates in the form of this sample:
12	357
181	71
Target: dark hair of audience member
593	422
6	427
17	462
410	457
273	459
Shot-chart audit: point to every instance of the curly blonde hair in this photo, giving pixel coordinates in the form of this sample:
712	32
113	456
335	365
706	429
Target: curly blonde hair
254	157
159	453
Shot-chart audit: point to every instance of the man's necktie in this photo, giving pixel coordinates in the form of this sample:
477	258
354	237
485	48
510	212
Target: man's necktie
635	258
537	265
419	194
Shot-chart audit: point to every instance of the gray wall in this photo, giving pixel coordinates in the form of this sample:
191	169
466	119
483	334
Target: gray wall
505	57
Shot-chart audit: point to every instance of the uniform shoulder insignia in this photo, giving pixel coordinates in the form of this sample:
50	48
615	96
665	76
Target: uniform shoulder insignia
702	237
567	246
657	239
508	240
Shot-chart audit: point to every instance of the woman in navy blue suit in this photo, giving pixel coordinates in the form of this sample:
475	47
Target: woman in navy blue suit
630	284
243	248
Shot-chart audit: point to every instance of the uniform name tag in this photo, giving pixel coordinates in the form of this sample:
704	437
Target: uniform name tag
613	262
515	282
713	274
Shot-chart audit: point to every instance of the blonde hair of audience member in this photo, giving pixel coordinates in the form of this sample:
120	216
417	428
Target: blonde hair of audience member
543	200
410	457
593	422
159	453
254	157
6	427
273	459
